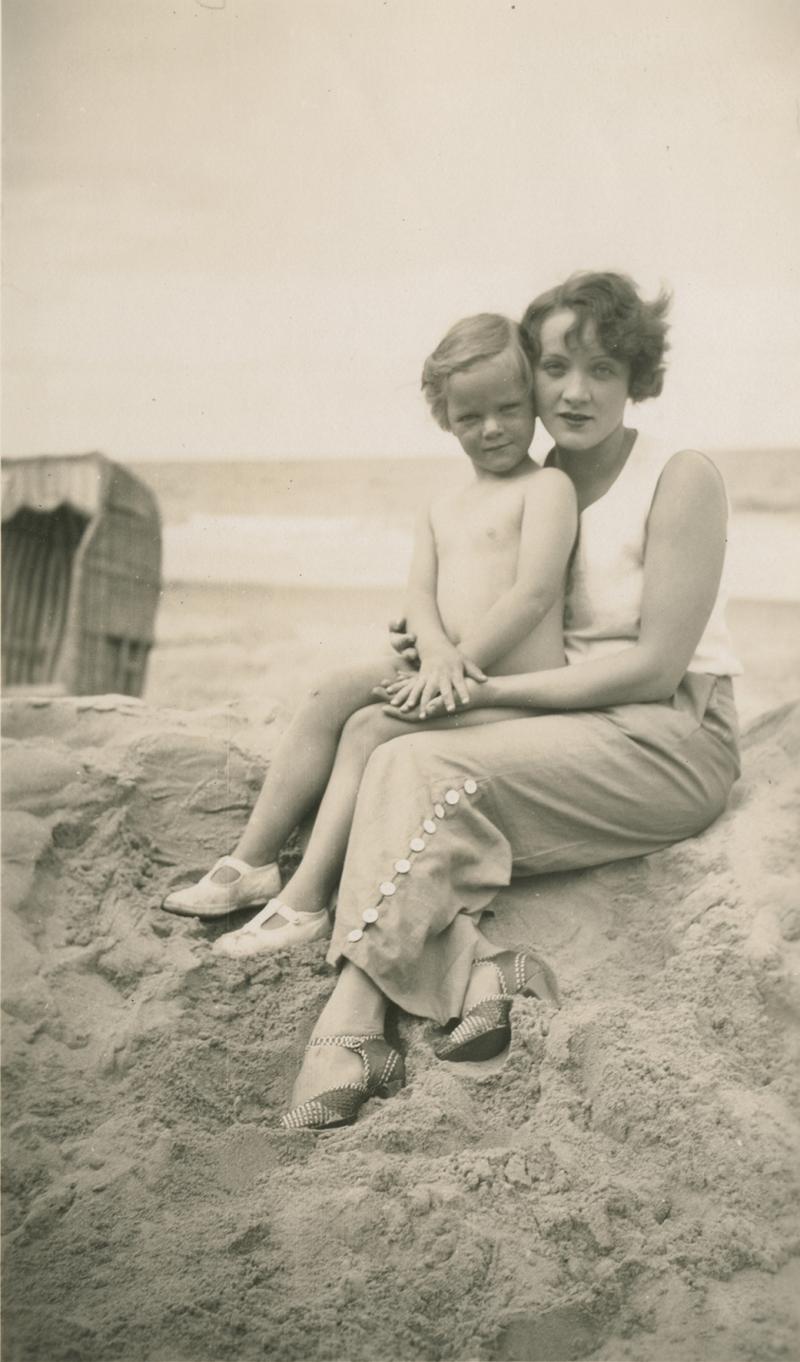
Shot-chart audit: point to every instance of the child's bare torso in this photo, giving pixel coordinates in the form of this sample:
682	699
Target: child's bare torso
477	532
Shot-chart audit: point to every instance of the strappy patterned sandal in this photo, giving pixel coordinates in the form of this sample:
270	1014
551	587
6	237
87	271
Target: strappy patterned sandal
486	1030
384	1075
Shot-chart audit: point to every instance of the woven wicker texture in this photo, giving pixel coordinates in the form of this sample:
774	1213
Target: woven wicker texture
81	575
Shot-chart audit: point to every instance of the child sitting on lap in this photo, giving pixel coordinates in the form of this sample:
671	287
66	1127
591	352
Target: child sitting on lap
485	596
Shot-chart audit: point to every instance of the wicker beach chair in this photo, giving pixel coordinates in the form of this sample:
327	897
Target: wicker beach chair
81	575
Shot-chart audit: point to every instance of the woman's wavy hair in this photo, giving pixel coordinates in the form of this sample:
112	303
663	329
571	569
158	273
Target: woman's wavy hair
628	328
470	340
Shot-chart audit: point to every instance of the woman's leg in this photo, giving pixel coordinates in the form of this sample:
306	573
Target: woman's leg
356	1008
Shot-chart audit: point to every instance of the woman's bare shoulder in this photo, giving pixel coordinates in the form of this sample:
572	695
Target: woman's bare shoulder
689	499
691	469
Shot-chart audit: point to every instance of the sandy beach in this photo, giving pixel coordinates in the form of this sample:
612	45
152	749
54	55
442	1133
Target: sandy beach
621	1185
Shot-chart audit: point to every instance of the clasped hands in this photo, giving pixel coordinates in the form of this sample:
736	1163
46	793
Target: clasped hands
432	685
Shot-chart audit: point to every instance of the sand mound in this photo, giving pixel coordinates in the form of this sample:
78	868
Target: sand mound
621	1185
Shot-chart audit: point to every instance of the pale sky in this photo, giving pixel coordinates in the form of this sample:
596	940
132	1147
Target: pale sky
237	227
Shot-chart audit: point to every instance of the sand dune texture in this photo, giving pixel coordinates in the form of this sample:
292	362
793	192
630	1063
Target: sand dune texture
621	1185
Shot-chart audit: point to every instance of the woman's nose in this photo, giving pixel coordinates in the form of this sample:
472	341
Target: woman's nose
575	388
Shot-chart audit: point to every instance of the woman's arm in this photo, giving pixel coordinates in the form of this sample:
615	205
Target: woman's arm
549	524
682	569
683	564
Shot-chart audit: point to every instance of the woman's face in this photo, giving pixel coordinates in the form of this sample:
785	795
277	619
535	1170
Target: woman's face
580	391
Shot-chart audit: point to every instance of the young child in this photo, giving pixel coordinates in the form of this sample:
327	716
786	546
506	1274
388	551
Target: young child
485	595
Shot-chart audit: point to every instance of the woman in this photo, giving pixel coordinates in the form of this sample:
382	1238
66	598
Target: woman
632	747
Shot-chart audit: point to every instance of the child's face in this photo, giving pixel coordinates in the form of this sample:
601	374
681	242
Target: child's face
490	412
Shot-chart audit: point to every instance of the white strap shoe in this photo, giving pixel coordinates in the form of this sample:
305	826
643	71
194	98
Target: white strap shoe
210	898
255	938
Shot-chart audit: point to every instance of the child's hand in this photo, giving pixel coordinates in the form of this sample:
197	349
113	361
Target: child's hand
404	643
398	690
434	709
441	676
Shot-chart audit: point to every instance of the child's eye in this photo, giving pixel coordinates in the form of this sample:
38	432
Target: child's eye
604	370
510	406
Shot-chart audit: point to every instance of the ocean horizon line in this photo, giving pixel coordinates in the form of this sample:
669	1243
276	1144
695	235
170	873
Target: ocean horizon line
348	551
780	450
767	480
378	590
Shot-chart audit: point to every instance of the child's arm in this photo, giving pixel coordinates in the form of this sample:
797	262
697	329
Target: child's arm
443	666
549	525
422	612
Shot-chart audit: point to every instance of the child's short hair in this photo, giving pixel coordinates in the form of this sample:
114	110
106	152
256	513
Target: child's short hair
628	328
473	339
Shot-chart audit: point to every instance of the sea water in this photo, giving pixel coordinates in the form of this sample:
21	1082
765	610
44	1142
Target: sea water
349	523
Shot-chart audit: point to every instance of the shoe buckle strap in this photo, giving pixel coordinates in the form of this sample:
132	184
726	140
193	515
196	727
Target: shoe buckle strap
521	971
501	978
269	910
233	863
290	914
276	908
358	1044
348	1041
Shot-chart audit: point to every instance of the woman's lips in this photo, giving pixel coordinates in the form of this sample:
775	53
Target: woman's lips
574	418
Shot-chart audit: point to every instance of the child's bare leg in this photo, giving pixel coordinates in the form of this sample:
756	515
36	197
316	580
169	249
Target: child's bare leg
311	886
303	759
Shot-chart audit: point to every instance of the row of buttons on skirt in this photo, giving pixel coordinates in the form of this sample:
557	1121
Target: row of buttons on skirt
417	844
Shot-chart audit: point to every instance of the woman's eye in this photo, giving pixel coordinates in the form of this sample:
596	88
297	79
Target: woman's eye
553	368
603	370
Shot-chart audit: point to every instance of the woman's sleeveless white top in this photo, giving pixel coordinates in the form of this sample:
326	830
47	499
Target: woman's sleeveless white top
606	578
